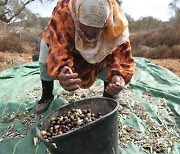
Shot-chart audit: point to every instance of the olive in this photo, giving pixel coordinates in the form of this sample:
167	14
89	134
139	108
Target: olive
68	121
60	133
99	114
43	132
48	134
93	118
88	114
52	119
60	118
73	110
56	126
51	128
45	137
84	111
92	114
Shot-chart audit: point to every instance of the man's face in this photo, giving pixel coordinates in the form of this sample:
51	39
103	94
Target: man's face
89	31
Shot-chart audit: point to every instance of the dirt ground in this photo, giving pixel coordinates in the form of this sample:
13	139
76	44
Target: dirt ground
171	64
8	60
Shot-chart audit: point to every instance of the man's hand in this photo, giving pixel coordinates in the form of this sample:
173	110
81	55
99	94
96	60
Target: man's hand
116	85
69	80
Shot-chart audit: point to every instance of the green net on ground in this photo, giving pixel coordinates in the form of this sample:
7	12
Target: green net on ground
148	124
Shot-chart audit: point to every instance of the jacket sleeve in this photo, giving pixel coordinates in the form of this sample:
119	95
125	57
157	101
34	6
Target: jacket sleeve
121	62
57	59
59	35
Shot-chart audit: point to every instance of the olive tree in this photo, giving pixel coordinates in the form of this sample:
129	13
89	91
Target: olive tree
175	9
13	9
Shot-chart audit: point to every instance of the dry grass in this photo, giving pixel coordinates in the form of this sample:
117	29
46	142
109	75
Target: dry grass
160	44
171	64
24	42
11	43
163	44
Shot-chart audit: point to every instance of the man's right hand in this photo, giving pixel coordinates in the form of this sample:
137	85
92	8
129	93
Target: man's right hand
69	80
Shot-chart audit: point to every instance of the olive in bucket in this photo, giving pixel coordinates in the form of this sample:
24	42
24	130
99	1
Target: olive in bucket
68	121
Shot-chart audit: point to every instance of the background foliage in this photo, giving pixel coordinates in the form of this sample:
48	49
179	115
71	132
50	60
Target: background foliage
21	30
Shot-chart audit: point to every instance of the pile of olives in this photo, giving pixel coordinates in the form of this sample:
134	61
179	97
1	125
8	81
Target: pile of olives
68	121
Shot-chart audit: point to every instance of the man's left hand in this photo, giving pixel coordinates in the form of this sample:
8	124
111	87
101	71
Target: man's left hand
116	85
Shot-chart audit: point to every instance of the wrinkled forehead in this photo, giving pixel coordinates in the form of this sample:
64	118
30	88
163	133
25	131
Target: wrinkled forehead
94	12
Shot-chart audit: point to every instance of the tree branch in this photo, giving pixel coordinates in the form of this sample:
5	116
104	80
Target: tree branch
3	16
19	10
2	3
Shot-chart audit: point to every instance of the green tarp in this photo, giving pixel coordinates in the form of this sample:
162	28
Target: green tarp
148	124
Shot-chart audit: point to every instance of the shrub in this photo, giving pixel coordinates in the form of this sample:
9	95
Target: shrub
11	42
175	51
159	52
26	41
164	43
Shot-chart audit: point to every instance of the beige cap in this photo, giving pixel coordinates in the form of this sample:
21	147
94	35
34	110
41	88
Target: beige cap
94	12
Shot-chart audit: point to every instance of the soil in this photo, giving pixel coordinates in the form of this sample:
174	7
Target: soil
171	64
8	60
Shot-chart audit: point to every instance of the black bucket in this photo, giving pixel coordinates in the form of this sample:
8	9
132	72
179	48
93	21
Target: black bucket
98	137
